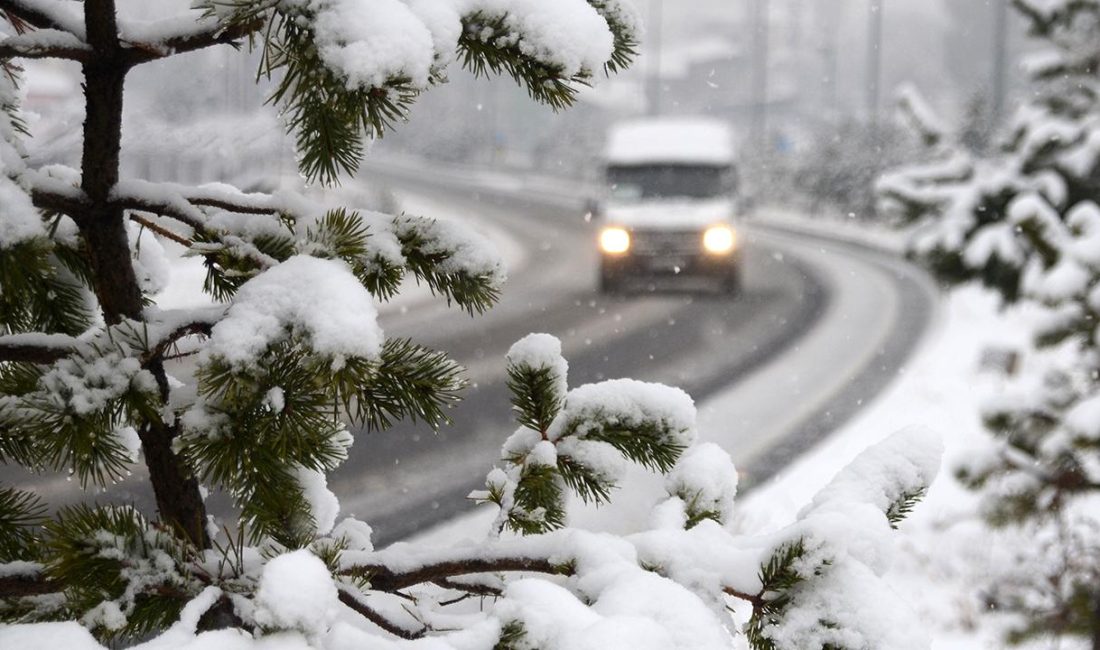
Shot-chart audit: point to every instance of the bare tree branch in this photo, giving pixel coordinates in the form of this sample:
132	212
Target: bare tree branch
160	230
382	578
21	586
229	206
756	600
190	329
188	213
376	617
75	204
470	588
36	348
187	201
24	47
216	34
49	348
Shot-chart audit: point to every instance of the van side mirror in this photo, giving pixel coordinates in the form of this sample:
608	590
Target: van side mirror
592	209
747	205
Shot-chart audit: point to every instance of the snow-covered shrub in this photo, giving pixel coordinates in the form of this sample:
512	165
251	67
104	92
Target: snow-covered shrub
835	169
255	396
1025	221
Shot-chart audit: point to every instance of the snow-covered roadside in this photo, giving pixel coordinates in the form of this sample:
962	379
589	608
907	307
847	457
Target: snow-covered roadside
946	552
944	547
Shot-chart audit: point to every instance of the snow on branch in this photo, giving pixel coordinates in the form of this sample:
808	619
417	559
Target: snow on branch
916	112
578	441
811	585
348	71
320	299
358	604
44	14
433	569
245	233
822	584
35	348
152	41
45	44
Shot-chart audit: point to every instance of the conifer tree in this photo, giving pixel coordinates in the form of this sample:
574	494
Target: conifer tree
1024	221
290	358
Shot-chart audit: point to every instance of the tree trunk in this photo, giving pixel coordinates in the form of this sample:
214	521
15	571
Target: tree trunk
177	491
1096	621
103	228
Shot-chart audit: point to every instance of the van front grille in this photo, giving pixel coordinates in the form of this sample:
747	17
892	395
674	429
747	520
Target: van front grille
657	242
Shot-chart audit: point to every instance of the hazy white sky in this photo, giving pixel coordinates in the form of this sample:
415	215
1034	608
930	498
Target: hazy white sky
942	46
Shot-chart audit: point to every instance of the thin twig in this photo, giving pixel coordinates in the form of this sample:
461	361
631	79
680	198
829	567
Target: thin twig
382	578
377	618
474	589
756	600
160	230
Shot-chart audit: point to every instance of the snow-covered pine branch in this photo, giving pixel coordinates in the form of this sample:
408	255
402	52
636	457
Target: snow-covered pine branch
347	72
578	440
919	116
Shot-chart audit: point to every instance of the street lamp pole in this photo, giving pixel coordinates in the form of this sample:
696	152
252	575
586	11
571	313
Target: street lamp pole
1000	56
874	59
759	22
653	77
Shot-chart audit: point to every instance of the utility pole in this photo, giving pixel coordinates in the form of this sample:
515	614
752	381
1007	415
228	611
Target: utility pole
827	16
1000	56
796	51
653	78
759	22
874	59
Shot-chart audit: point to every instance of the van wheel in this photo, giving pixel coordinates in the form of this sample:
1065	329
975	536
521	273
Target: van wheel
731	282
609	283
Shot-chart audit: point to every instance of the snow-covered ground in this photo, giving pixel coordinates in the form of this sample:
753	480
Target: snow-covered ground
945	551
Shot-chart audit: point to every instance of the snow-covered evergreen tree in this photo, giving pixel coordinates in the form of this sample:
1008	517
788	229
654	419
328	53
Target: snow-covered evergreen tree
1025	221
291	357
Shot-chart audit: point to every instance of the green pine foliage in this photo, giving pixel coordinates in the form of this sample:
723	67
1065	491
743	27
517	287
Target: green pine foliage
778	579
21	514
512	637
111	557
903	506
42	292
559	449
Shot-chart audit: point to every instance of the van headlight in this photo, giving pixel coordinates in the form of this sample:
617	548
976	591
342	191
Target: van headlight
614	240
719	239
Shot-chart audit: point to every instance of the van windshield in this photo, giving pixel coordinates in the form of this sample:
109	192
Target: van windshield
639	182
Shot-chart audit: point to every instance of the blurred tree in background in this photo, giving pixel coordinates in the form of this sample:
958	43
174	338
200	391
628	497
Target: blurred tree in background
1024	220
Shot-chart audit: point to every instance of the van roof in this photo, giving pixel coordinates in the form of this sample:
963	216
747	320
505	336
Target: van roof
696	140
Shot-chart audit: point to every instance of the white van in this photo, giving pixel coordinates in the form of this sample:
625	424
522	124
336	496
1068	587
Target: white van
669	203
